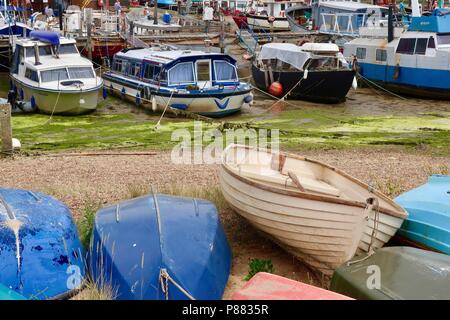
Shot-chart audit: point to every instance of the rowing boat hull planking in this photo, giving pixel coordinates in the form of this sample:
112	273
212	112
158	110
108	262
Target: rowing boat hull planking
322	230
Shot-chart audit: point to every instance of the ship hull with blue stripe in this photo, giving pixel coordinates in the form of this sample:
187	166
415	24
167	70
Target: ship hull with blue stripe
220	95
415	63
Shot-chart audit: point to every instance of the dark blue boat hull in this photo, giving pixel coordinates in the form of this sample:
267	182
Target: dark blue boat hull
46	260
135	241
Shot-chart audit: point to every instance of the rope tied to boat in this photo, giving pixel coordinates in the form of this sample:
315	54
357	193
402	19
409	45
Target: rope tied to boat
372	206
164	279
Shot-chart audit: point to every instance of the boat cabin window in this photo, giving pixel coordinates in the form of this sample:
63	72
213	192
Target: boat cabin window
431	44
406	46
135	69
32	75
120	66
54	75
361	53
67	48
224	71
81	73
421	46
203	70
43	51
381	55
443	39
182	73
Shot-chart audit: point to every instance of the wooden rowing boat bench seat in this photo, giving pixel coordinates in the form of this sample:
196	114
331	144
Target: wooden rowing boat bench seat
307	180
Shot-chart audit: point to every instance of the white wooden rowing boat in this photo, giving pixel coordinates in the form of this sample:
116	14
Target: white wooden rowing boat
320	214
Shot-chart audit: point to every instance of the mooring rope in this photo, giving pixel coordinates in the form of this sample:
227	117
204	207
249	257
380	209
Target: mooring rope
164	278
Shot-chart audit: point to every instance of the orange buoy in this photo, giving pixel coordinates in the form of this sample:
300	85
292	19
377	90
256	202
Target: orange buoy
276	89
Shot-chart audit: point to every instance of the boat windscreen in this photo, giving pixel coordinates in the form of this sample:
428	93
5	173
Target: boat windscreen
182	73
43	51
224	71
81	73
54	75
69	48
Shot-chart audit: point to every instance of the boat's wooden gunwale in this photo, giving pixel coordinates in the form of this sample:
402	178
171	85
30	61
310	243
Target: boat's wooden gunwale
401	213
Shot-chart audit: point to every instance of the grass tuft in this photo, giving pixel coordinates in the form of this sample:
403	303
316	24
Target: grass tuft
85	224
259	265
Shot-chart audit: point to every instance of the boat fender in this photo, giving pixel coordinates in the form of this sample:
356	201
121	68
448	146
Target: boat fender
396	71
21	94
33	102
154	105
305	74
123	92
271	19
105	93
276	89
111	89
248	99
138	99
355	83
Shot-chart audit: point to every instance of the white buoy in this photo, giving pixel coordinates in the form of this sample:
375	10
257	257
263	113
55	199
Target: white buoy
16	143
354	83
154	106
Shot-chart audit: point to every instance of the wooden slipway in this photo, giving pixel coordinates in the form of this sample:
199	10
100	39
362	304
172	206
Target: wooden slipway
320	214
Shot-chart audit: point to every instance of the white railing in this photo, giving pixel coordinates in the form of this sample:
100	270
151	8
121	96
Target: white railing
347	23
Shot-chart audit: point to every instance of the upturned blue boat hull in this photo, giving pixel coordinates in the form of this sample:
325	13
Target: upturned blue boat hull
428	223
139	244
41	256
8	294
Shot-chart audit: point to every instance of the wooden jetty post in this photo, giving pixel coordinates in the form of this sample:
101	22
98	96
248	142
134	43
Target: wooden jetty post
5	125
222	34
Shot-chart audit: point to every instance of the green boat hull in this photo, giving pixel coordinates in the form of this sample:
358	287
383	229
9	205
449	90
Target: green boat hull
8	294
395	273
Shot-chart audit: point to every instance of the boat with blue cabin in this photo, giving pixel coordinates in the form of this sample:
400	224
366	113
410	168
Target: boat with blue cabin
428	223
415	63
41	256
160	247
191	81
48	72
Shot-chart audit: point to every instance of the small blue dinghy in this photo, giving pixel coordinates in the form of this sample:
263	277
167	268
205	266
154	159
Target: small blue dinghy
41	256
428	223
160	247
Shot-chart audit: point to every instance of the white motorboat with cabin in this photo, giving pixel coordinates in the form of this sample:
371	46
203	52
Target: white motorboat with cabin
269	15
49	72
191	81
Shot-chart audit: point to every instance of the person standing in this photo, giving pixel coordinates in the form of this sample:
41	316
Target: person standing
117	7
208	15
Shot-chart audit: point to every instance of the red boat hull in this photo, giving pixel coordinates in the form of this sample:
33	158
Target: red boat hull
266	286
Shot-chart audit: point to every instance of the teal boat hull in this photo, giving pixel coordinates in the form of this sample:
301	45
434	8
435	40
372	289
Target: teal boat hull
8	294
428	223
